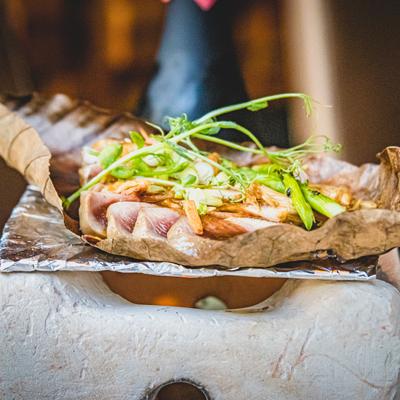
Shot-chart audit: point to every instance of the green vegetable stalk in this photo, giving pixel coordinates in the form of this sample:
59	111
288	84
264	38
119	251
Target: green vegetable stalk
321	203
303	208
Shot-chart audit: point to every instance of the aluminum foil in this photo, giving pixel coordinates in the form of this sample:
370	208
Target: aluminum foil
35	239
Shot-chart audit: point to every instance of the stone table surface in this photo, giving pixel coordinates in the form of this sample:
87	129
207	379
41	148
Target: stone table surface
65	335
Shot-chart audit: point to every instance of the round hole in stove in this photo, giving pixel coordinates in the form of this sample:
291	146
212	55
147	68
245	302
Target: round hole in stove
182	389
234	292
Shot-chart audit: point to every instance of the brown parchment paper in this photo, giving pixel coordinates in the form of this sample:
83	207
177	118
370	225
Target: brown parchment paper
42	137
36	239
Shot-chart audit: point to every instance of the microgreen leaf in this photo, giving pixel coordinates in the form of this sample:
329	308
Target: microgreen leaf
180	124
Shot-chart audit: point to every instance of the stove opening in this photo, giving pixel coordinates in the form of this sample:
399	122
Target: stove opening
183	390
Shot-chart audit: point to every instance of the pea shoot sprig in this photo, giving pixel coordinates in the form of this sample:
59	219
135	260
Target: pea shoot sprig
284	172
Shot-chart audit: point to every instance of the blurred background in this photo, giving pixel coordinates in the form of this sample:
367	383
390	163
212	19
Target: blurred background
346	55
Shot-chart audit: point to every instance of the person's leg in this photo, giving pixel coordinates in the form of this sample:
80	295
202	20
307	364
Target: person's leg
197	66
197	70
14	71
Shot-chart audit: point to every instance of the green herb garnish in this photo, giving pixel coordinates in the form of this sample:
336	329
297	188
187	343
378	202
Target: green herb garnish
321	203
172	159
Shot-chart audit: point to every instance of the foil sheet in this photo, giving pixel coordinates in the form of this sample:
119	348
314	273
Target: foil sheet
35	239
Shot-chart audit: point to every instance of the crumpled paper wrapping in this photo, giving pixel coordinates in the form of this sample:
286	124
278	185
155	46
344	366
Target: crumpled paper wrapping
36	239
42	138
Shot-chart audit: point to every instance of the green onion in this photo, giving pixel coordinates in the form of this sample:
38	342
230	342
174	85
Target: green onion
202	209
133	167
152	160
189	180
266	169
300	204
188	176
157	180
109	154
168	170
123	172
128	157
